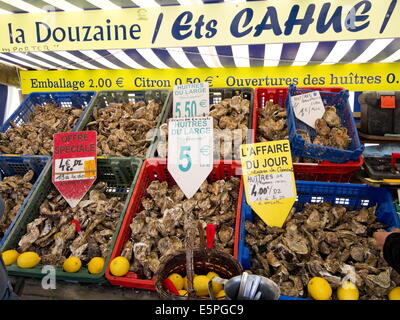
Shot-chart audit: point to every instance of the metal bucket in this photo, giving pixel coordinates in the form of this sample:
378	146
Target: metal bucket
250	287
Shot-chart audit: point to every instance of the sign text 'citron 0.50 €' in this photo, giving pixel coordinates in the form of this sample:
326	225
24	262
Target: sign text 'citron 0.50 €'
269	180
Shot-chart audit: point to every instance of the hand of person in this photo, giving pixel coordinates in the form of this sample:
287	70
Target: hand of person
380	237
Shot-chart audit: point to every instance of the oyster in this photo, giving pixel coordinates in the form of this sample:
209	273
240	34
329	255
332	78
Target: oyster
35	136
321	241
13	190
231	117
125	129
331	117
54	237
159	230
272	123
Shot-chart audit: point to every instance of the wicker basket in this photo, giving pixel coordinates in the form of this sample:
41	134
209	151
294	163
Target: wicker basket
201	260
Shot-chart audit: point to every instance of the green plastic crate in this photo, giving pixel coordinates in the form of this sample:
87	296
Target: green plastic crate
103	98
120	174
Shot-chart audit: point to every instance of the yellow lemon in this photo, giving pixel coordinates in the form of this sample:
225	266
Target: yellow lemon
96	265
183	293
394	294
9	257
177	280
72	264
220	295
200	285
119	266
217	287
347	291
28	260
319	289
185	285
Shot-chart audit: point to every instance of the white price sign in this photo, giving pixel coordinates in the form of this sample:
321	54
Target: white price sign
75	168
273	186
308	107
191	100
190	152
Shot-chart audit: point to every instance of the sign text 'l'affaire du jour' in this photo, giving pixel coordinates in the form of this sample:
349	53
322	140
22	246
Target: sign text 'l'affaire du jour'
269	180
74	164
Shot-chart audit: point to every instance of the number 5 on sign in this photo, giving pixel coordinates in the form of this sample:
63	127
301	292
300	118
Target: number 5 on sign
184	155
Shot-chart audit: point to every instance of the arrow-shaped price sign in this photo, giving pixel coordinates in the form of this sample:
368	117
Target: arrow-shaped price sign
190	152
269	180
74	164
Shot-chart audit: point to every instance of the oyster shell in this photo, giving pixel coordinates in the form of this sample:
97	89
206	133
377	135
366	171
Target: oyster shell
53	236
321	241
35	137
13	191
125	129
162	228
231	118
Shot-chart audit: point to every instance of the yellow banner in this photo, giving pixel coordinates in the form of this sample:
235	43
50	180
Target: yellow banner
258	22
354	77
269	180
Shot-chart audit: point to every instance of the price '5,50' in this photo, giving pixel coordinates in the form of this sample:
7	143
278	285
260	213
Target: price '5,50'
190	109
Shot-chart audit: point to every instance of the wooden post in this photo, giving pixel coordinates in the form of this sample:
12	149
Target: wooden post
9	75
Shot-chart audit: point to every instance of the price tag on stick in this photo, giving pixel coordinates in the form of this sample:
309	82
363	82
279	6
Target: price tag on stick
269	180
190	152
74	164
308	107
191	100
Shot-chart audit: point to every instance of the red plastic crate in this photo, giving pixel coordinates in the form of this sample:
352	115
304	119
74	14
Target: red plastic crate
323	171
156	169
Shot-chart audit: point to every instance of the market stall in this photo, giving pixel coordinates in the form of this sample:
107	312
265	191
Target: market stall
164	146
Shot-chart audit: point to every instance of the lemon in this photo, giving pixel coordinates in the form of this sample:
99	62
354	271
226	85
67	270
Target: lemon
177	280
394	294
217	287
96	265
347	291
319	289
183	293
200	285
220	294
9	257
119	266
72	264
185	285
28	260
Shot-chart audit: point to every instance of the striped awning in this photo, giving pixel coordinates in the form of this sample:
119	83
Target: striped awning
296	54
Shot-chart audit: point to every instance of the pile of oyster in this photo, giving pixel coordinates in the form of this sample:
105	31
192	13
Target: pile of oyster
53	233
158	229
271	126
125	129
13	190
231	117
329	131
322	241
272	123
35	136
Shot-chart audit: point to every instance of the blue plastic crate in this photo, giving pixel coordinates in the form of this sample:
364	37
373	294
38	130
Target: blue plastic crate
19	165
80	99
352	196
308	150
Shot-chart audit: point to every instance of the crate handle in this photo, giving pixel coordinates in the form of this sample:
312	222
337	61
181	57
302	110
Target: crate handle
395	156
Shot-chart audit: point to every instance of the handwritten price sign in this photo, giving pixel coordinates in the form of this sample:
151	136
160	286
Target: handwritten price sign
74	164
308	107
269	180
